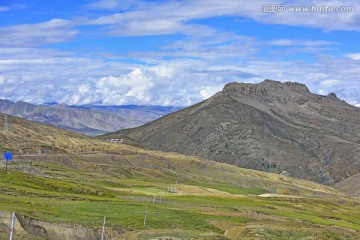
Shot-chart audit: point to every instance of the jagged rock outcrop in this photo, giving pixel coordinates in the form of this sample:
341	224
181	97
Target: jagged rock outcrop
270	126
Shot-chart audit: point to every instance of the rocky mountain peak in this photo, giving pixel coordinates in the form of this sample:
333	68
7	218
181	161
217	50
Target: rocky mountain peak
299	87
270	91
332	95
266	84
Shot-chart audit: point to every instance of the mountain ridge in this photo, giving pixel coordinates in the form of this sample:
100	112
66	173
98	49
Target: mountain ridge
88	119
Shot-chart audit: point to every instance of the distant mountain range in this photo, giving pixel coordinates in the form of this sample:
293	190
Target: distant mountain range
271	126
89	119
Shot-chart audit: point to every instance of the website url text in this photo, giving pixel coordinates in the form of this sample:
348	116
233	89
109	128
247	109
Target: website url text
278	8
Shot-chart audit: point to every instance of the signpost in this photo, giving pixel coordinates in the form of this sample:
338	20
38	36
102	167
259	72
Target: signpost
8	157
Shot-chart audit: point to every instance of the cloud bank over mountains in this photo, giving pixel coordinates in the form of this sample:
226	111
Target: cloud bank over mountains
173	52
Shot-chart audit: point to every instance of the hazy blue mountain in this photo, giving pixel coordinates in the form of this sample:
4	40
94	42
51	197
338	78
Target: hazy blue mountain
89	119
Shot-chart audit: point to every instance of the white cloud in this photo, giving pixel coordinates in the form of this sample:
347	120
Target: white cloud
179	13
111	5
12	7
2	79
209	91
164	18
53	31
317	19
322	92
180	82
330	83
206	58
354	56
104	4
294	42
145	28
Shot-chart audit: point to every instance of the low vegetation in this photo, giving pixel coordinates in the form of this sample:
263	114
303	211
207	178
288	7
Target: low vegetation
185	197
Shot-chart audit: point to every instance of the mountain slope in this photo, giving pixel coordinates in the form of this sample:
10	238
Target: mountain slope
89	120
271	126
351	185
66	192
27	137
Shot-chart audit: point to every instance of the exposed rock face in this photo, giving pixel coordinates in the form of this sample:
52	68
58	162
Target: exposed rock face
271	126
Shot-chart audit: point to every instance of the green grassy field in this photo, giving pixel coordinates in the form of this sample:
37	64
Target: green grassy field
199	199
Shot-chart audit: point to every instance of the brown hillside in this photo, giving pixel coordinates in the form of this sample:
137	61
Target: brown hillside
350	185
26	137
271	126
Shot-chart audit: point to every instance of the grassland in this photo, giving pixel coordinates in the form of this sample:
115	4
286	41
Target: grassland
211	200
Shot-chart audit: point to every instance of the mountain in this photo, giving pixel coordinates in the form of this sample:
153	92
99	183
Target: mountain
270	126
142	113
89	120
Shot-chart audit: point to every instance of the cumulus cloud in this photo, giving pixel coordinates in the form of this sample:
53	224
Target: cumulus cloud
180	82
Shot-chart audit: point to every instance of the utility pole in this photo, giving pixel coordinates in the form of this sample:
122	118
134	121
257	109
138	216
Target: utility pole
103	229
6	125
146	212
154	200
12	226
30	166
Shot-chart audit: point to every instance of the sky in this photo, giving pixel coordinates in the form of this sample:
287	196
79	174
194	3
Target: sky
174	53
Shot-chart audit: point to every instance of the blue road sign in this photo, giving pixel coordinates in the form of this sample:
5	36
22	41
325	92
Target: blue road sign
8	156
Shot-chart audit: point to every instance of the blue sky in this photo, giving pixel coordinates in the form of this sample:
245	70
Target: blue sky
173	52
